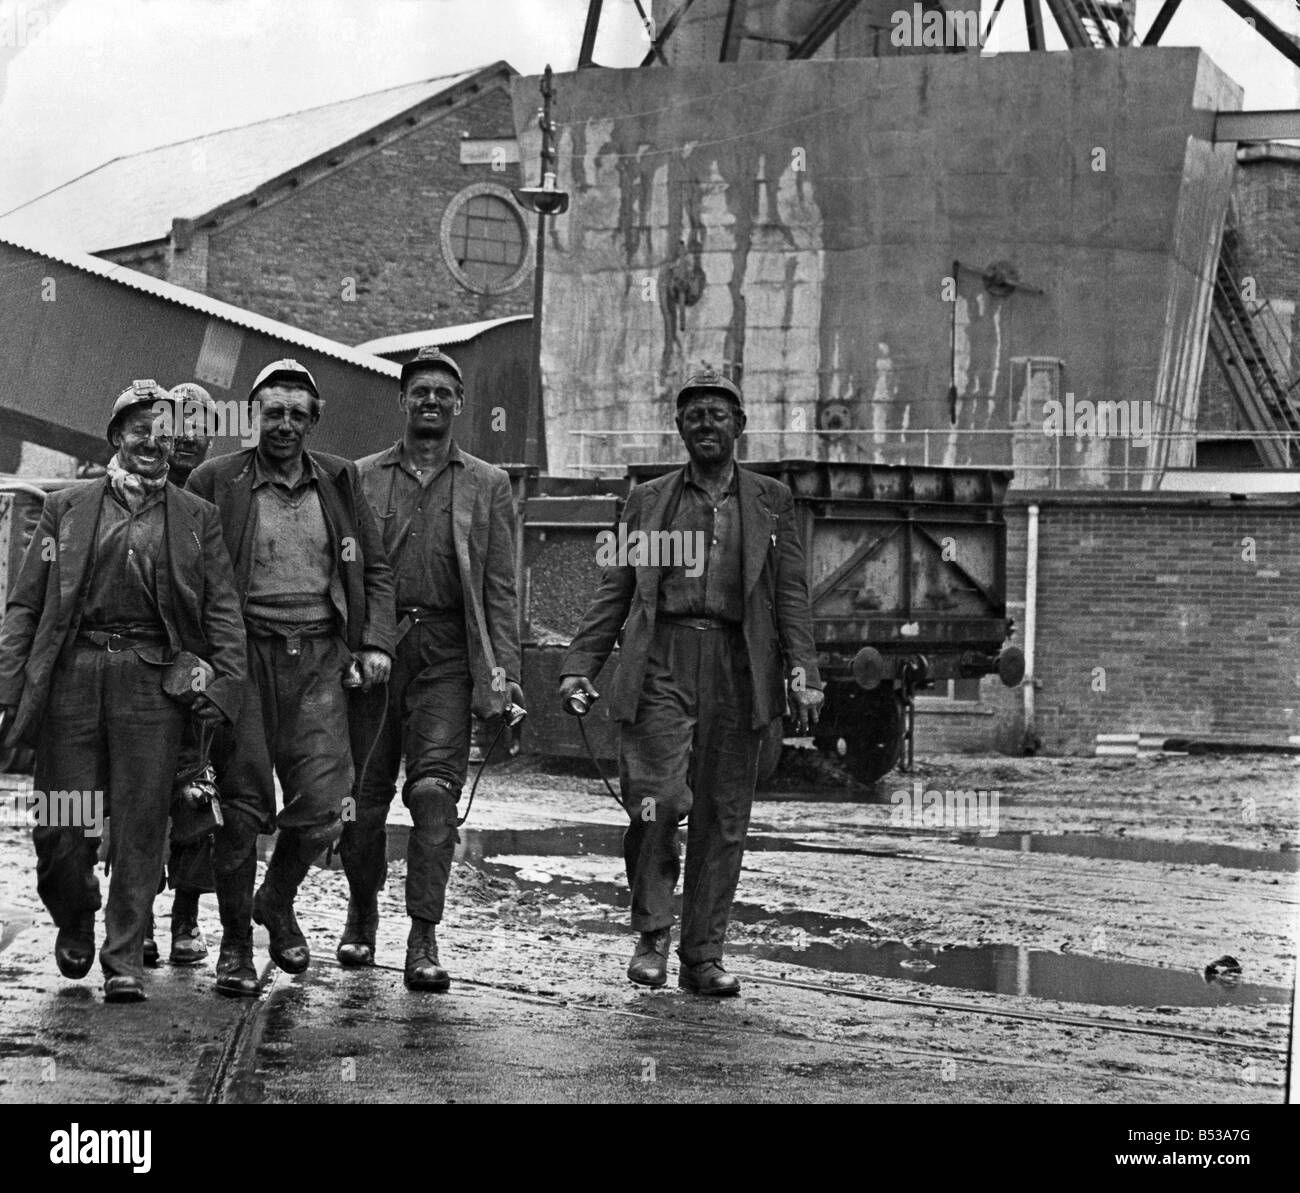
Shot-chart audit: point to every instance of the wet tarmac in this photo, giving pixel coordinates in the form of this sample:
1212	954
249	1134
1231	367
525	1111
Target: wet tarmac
996	968
877	963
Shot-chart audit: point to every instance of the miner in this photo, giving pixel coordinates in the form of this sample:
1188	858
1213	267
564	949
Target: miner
448	527
317	598
122	622
193	430
706	656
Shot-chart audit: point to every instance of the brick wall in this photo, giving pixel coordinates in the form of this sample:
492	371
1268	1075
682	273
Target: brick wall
376	221
1194	640
1267	198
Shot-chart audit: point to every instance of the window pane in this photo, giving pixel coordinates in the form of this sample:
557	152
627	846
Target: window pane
966	689
487	238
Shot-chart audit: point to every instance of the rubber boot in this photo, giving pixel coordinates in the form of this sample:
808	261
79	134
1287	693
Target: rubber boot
188	945
431	848
273	903
363	849
236	974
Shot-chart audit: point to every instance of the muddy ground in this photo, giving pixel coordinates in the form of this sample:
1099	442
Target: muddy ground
882	959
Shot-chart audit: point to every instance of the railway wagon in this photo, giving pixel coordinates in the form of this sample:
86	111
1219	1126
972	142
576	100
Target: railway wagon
907	579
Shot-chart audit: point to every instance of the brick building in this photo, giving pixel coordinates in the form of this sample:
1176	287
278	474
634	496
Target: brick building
1166	614
353	220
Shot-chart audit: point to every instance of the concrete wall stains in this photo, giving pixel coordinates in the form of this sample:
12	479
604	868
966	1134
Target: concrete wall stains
794	223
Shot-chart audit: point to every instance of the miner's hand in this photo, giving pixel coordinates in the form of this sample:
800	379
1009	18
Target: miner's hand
807	706
515	693
376	666
570	683
206	712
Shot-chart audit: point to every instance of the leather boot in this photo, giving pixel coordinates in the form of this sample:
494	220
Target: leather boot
123	988
423	970
74	947
708	978
188	945
649	964
149	951
273	905
236	974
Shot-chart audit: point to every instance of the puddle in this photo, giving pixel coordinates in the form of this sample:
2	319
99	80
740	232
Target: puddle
598	840
606	840
1012	969
994	968
821	795
1141	849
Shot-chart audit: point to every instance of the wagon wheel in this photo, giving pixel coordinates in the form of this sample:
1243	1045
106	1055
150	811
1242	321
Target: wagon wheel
872	748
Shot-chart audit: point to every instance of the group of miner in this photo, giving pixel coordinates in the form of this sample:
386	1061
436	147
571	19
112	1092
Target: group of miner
284	634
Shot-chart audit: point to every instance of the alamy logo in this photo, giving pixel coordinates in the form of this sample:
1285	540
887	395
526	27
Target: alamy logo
921	27
945	809
54	809
75	1146
214	420
1086	419
651	548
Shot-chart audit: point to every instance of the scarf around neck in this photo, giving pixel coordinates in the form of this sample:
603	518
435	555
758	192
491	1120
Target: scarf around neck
132	488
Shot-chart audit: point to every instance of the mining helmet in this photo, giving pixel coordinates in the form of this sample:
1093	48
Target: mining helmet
284	370
430	358
188	391
140	393
194	411
709	381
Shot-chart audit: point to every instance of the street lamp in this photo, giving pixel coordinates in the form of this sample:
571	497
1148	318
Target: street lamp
546	199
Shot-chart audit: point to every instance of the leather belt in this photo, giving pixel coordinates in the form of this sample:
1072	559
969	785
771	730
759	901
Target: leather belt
698	623
115	643
411	615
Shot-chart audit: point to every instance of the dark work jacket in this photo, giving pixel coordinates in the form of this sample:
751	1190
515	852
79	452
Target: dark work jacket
196	599
483	535
357	550
777	620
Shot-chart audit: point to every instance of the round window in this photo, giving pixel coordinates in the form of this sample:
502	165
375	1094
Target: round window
484	239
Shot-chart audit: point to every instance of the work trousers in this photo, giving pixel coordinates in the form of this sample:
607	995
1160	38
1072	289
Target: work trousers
423	716
109	728
292	723
690	750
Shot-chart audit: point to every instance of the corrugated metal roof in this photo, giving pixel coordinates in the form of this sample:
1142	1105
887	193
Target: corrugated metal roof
212	307
134	199
440	337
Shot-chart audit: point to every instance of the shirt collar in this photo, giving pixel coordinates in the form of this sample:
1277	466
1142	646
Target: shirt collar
731	484
262	477
396	456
